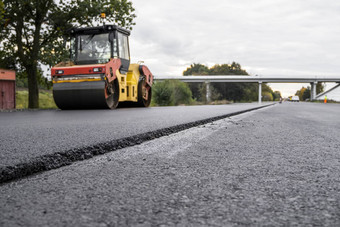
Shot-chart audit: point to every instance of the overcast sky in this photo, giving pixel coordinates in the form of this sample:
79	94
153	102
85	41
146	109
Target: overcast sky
267	37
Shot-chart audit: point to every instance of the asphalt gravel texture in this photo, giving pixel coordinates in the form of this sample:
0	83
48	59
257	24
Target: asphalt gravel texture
278	166
42	140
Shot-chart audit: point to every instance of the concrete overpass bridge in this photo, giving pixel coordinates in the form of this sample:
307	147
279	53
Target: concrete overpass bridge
313	80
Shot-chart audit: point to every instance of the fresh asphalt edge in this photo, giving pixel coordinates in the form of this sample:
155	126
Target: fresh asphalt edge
63	158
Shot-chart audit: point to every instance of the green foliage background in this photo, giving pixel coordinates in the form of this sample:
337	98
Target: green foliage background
236	92
22	81
32	31
38	35
170	93
304	93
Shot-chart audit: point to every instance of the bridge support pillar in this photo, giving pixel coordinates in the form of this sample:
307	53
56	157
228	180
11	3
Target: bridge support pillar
313	90
208	92
260	92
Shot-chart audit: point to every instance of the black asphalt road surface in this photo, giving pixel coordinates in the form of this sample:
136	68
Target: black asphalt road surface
31	142
29	134
278	166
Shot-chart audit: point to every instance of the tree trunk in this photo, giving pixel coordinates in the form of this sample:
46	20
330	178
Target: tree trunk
33	89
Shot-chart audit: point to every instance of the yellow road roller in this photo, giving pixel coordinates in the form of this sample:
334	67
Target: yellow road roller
99	74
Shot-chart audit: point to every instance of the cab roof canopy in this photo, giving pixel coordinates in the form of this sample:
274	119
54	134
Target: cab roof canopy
98	30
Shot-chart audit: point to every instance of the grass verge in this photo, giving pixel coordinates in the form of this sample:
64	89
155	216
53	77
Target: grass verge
46	100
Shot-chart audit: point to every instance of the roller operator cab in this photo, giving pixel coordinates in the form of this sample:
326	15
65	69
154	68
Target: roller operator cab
99	73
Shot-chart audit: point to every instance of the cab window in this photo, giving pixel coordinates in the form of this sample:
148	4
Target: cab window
123	46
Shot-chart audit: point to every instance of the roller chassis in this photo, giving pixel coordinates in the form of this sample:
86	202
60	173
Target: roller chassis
112	88
90	81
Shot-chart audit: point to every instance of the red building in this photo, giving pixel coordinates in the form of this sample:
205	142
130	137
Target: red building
7	89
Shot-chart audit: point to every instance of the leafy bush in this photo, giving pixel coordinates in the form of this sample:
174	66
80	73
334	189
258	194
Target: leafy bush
171	92
181	93
162	94
267	96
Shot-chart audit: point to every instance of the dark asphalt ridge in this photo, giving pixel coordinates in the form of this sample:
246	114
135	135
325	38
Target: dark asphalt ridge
59	159
47	132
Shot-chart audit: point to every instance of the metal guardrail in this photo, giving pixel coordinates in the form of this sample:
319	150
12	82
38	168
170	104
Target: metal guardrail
262	79
313	80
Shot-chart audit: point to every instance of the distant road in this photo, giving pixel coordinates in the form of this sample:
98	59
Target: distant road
278	166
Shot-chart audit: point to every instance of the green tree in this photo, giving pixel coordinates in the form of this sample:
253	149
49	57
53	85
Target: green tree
162	94
2	12
301	93
33	30
267	96
196	69
237	92
21	80
226	69
181	92
171	92
197	89
277	95
43	82
306	94
231	91
320	87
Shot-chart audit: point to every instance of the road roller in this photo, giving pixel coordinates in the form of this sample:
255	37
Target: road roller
99	74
